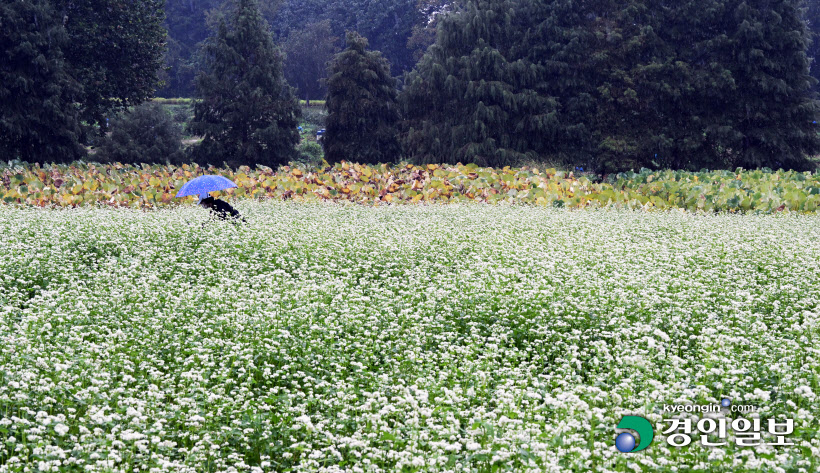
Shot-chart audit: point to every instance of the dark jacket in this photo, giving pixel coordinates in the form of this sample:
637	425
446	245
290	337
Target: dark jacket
222	209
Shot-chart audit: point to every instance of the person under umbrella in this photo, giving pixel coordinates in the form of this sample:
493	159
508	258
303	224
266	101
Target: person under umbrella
203	186
220	208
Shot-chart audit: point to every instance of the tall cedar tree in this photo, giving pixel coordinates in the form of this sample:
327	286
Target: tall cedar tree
556	50
771	110
246	114
115	50
678	81
655	84
812	12
361	106
475	96
38	117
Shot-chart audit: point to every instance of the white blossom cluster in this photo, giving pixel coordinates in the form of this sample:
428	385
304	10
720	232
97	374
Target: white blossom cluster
417	338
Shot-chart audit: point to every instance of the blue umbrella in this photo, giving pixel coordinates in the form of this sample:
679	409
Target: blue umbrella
203	185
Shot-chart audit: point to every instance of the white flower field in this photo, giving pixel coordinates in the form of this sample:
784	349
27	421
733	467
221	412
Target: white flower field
326	337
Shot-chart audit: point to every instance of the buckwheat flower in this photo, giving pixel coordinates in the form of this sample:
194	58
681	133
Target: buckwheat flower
61	429
804	391
130	435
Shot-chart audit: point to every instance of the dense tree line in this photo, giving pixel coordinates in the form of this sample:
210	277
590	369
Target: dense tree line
67	65
34	76
812	16
616	84
606	85
307	54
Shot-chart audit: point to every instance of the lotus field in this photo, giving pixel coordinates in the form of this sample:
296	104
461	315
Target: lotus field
330	337
757	191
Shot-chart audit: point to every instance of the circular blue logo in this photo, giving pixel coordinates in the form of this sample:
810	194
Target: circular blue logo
725	402
625	442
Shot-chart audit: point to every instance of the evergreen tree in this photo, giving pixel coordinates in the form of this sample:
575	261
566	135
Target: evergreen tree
246	114
38	116
771	110
558	49
476	96
812	14
361	106
683	83
655	84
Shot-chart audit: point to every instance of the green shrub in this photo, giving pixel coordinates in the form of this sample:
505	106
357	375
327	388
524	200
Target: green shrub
145	134
310	152
182	114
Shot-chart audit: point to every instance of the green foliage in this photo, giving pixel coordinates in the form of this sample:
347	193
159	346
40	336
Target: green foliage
187	28
424	33
182	114
146	134
67	62
38	117
361	105
247	113
115	51
310	153
189	24
307	52
769	112
387	24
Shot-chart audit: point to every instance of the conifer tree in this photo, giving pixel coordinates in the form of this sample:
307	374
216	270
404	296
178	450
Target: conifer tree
771	110
812	14
558	48
475	96
247	114
654	83
38	116
361	105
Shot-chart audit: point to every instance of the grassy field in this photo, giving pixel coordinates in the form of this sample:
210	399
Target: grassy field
328	337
